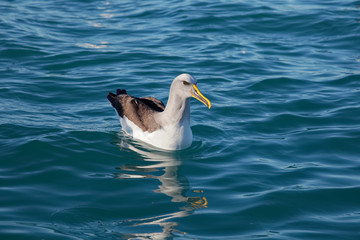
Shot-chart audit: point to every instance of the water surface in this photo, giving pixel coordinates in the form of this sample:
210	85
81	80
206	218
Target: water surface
276	157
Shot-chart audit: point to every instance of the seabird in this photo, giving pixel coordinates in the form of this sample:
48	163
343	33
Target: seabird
148	119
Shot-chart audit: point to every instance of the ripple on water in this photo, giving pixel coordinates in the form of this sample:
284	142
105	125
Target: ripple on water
276	156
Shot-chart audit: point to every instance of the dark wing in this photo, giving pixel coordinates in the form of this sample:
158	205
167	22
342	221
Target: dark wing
140	111
153	103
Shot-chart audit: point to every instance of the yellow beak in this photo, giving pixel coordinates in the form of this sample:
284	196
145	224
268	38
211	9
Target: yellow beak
195	92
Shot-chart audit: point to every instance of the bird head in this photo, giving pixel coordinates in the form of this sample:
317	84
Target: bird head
185	84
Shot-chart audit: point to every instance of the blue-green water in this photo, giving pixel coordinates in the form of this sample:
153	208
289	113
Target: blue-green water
276	157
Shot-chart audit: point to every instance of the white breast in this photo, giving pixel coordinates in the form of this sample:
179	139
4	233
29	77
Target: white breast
170	137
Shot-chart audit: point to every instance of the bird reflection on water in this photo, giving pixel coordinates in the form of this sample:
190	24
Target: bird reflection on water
172	184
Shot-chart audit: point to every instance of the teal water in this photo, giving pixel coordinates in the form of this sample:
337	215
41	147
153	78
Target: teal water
276	157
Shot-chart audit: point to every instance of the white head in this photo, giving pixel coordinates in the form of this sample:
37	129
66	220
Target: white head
185	85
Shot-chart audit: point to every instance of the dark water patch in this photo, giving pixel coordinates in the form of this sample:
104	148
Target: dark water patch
279	84
21	229
350	81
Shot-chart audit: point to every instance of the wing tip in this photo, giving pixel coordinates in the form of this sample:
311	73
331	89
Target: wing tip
112	96
120	91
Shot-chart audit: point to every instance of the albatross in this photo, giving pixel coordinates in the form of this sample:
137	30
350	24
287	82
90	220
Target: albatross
147	118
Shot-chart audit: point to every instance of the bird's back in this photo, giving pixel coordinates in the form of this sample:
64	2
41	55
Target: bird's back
140	111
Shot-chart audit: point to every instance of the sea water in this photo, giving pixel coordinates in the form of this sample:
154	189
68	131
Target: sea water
276	157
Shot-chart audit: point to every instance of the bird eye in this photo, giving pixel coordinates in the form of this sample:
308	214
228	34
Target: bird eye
185	83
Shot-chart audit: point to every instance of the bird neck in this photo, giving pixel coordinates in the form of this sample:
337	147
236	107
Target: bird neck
177	110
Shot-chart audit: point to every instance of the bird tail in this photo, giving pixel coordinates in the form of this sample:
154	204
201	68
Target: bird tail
112	97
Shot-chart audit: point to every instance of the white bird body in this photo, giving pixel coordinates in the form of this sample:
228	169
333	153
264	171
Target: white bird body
148	120
170	137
